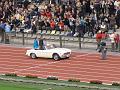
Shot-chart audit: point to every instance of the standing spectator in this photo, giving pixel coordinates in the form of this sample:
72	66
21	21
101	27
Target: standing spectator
66	23
27	23
118	18
15	22
72	24
2	30
88	9
33	29
103	6
103	26
98	38
112	38
82	27
112	22
111	8
7	27
97	7
7	31
88	25
117	41
83	9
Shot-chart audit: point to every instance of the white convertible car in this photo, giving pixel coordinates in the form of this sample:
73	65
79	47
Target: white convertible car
50	51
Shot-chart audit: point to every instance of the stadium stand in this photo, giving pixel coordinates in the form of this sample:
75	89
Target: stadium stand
70	18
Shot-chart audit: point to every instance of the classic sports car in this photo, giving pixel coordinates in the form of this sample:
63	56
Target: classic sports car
50	51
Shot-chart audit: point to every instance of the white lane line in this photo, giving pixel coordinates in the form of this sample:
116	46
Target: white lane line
42	65
17	59
47	64
36	66
62	64
72	69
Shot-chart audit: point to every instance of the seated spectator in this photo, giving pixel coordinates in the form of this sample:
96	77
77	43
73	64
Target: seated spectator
61	25
7	27
52	24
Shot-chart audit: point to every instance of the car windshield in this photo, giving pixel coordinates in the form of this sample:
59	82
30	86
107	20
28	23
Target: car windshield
51	46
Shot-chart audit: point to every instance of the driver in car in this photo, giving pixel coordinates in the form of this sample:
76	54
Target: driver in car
42	43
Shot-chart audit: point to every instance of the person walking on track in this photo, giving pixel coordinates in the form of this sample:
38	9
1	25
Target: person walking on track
103	50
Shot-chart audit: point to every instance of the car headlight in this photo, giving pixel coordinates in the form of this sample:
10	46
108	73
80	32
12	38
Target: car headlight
67	54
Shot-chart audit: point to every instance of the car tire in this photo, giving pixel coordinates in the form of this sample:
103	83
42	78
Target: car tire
33	55
56	57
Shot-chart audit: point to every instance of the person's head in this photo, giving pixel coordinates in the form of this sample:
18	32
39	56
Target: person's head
35	37
99	31
103	23
117	34
44	39
41	37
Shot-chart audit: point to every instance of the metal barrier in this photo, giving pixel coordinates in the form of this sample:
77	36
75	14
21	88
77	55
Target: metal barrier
60	40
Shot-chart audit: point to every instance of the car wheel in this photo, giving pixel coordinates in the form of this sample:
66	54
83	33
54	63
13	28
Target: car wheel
33	55
56	57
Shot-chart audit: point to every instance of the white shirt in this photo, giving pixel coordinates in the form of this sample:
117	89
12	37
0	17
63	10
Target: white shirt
103	26
112	36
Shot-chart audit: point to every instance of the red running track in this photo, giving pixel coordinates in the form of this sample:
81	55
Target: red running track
83	66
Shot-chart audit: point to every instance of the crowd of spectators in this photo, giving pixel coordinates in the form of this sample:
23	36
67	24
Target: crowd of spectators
81	16
15	13
73	15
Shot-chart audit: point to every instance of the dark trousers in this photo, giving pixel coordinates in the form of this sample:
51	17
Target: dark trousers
7	38
2	34
113	46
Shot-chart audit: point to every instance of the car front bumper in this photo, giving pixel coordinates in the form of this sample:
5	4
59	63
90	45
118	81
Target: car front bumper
65	56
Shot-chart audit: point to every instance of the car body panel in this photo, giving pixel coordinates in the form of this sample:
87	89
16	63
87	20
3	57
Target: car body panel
48	53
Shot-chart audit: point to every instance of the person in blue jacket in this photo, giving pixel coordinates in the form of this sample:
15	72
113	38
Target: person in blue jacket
36	44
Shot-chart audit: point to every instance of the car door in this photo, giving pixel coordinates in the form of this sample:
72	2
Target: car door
42	53
39	53
48	53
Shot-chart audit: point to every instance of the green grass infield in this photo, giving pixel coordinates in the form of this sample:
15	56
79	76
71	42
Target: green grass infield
23	83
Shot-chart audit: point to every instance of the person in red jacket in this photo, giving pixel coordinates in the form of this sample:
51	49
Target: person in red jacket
48	14
99	38
117	41
61	25
52	25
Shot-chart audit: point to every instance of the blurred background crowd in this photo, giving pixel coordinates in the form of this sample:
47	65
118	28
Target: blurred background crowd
78	17
75	15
